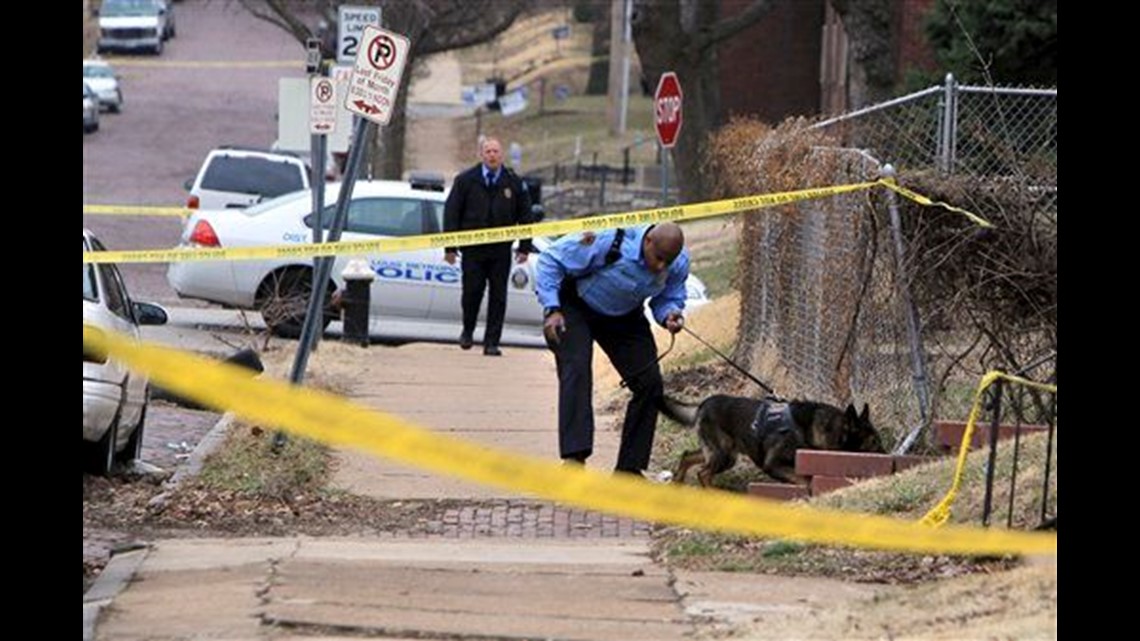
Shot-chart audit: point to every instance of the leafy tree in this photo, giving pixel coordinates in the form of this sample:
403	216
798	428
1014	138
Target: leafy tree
1006	42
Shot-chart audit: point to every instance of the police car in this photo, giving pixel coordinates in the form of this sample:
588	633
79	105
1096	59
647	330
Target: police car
415	294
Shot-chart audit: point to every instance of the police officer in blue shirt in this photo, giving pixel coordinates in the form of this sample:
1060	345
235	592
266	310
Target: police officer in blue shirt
593	287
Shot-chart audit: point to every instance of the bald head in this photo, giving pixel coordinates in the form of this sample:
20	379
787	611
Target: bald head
661	246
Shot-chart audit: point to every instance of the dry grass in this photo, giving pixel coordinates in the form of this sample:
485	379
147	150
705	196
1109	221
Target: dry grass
908	496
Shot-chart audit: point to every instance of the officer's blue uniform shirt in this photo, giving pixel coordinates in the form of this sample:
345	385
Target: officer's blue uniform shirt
615	289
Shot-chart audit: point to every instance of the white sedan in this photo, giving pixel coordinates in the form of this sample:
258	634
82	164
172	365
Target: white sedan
114	399
105	83
414	291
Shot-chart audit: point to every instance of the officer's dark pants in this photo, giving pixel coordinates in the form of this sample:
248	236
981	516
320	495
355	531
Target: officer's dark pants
628	342
486	267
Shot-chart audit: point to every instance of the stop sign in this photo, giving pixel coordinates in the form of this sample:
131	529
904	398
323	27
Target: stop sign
667	109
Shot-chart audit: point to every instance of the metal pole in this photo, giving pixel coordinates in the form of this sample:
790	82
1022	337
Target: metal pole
914	335
992	461
1017	411
317	143
664	176
324	266
625	38
944	153
1049	453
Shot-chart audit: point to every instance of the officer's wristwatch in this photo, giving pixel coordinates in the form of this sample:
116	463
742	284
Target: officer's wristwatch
550	310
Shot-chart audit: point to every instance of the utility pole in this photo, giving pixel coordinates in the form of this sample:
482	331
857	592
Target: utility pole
617	47
626	46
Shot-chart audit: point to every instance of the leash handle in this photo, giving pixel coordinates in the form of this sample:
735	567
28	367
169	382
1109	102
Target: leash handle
728	360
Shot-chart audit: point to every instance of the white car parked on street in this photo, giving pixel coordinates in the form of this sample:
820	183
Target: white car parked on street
416	288
114	399
236	177
90	109
103	80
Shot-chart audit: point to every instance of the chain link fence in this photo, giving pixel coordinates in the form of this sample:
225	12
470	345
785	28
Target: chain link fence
858	299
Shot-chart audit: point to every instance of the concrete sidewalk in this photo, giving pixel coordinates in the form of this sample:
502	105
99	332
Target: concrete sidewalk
510	569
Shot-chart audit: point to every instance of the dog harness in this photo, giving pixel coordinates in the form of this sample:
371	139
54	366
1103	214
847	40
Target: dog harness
771	416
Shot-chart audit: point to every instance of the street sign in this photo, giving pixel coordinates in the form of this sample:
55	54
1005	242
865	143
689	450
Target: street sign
312	55
376	74
350	24
512	103
322	105
667	109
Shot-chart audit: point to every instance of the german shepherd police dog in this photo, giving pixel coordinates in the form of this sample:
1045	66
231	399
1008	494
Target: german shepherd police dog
768	431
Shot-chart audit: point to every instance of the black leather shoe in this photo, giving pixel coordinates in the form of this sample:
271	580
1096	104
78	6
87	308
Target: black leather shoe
492	350
465	341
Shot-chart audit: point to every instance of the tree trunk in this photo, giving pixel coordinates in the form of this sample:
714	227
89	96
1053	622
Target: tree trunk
598	81
871	76
387	150
665	36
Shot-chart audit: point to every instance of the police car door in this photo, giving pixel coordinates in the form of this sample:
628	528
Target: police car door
402	284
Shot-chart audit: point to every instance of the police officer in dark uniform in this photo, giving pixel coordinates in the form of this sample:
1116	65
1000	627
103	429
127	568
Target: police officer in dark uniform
486	195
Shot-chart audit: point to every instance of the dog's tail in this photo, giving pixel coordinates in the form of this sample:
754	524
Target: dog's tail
683	413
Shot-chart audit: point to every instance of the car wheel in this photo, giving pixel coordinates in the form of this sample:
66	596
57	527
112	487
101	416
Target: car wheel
114	107
283	300
133	450
158	48
99	457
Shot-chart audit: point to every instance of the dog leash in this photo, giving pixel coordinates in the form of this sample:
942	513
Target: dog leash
728	360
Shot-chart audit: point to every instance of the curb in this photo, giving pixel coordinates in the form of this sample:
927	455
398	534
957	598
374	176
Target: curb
120	570
193	465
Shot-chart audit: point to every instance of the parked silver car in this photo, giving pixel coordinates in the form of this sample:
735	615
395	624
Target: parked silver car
101	77
90	110
114	399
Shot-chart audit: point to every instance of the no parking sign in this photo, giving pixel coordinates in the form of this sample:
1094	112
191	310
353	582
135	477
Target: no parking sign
375	80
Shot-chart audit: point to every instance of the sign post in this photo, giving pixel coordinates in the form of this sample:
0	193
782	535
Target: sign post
667	119
372	91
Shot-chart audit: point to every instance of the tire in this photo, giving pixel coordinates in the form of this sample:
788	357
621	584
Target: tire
283	300
133	450
99	458
158	47
117	106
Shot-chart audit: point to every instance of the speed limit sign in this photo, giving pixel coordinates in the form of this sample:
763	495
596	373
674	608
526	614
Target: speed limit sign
351	22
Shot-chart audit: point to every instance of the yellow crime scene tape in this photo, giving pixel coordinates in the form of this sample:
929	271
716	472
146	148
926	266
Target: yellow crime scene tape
333	420
129	210
940	513
481	236
890	183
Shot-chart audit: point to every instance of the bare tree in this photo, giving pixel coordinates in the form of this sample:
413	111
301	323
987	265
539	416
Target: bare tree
682	36
432	26
872	65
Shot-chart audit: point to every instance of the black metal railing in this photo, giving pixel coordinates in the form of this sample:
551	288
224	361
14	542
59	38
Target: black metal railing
1019	402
